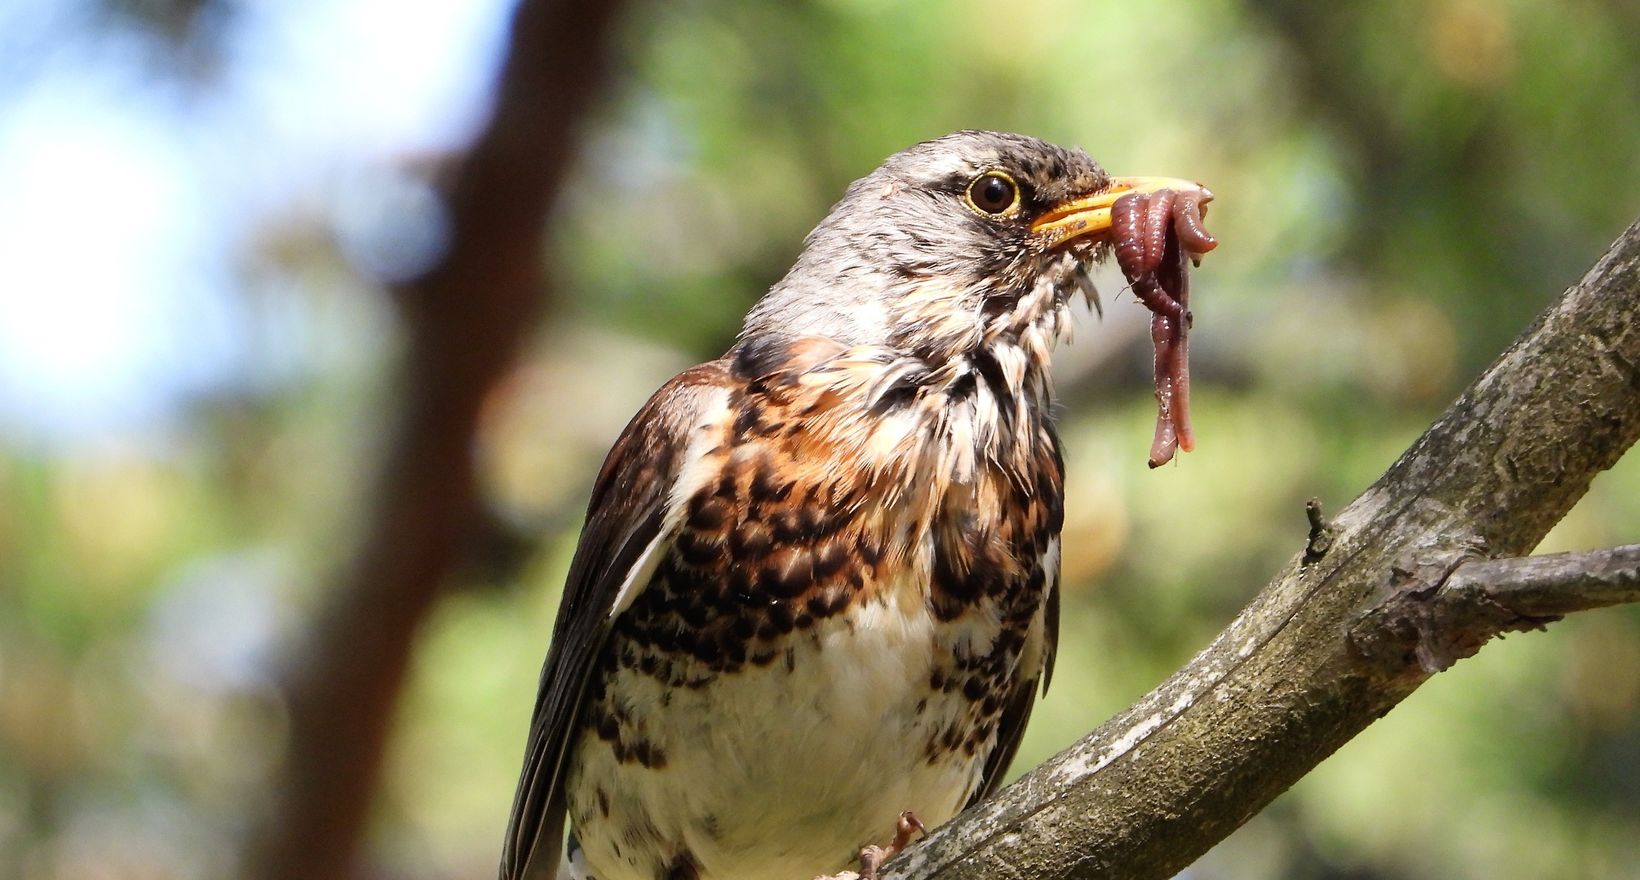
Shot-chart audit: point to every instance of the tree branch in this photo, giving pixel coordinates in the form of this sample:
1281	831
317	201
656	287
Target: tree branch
1548	586
465	319
1355	622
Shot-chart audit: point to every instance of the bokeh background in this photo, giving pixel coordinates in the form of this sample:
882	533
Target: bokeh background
203	202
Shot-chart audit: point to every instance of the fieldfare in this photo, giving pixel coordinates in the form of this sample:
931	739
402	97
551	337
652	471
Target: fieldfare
817	585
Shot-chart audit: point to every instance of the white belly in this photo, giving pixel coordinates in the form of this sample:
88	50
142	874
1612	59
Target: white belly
785	770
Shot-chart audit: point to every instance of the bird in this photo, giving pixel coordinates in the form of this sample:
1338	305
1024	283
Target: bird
816	593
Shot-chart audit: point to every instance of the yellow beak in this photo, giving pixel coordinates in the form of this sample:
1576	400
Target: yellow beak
1090	215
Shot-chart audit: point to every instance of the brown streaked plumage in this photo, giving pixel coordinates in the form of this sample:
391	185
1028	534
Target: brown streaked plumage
817	585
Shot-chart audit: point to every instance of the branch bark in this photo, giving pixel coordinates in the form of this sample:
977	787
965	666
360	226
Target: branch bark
1396	588
1550	586
464	320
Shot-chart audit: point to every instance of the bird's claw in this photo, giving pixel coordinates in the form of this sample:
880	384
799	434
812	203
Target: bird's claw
873	857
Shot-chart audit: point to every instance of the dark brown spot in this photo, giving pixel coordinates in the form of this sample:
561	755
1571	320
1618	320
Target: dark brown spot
649	755
740	584
965	566
695	550
946	608
707	650
695	614
973	689
868	550
798	524
788	572
750	542
1056	511
904	390
768	487
761	355
727	486
708	513
829	558
991	371
603	801
682	867
781	616
746	420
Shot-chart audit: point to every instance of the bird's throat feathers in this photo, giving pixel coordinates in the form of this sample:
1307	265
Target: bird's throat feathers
983	393
948	343
941	322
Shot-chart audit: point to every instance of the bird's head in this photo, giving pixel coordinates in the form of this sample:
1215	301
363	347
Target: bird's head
949	244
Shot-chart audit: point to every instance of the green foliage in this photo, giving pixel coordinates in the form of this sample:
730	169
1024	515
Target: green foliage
1401	187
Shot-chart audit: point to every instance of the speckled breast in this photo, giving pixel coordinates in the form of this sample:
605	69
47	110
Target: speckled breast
848	601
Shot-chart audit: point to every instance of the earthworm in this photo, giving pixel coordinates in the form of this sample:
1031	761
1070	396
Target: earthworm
1153	235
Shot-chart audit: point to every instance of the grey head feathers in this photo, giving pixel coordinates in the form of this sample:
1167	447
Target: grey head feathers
905	260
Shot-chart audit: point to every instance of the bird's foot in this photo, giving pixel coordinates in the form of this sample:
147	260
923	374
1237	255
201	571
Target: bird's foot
873	857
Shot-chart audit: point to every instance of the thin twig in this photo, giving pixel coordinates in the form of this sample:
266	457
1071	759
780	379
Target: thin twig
1550	586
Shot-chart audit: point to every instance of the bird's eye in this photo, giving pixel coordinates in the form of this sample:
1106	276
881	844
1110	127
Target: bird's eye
993	193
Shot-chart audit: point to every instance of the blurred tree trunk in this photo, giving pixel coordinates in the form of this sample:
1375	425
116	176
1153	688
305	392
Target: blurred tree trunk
464	320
